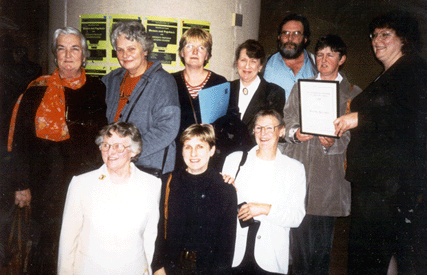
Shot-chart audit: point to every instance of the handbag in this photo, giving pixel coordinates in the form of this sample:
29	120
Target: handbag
155	171
19	242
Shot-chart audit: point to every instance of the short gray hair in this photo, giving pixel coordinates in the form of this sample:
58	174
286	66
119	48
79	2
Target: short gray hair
123	129
134	31
66	31
269	112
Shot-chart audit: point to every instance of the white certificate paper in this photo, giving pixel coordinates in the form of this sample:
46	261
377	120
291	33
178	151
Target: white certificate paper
319	106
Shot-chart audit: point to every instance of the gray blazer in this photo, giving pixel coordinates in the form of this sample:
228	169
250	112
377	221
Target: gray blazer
328	193
156	113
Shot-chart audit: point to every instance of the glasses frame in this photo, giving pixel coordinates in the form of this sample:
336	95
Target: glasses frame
190	47
382	36
117	145
265	129
288	34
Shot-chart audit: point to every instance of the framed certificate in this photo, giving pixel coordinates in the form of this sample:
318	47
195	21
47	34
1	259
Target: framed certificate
319	106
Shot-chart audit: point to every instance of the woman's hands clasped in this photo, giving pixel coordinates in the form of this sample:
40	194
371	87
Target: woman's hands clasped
23	197
252	209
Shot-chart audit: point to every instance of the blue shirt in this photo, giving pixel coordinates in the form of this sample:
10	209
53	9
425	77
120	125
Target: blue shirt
276	71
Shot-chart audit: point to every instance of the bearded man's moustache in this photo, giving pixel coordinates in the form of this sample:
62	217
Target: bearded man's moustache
290	43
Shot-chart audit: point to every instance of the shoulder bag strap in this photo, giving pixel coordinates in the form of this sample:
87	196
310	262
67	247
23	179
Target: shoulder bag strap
130	112
192	107
167	202
137	98
242	162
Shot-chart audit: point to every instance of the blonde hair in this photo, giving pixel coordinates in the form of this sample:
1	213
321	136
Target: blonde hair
196	33
203	131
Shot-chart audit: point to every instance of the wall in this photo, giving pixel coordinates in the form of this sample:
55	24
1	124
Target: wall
225	37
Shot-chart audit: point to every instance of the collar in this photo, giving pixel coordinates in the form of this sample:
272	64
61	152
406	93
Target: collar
339	77
104	175
251	88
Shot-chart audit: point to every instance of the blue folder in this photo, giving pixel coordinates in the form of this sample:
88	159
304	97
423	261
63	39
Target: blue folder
214	102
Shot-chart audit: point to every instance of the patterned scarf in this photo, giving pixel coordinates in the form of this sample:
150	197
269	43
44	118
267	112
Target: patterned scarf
50	121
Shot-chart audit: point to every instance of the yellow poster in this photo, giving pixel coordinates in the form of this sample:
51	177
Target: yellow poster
94	28
164	32
112	68
96	71
188	23
115	19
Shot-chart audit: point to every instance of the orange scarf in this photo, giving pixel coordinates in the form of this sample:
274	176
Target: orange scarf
50	121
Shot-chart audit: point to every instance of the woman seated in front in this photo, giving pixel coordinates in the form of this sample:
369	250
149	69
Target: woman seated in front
197	232
111	214
271	188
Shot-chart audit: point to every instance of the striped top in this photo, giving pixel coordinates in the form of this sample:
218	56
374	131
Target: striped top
194	90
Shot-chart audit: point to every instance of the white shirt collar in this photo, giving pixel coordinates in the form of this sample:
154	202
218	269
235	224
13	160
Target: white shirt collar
244	100
339	77
252	87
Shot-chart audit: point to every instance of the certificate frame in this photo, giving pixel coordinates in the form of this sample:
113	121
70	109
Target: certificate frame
318	106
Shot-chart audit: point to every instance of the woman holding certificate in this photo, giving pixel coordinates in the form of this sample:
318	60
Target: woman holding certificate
195	50
387	154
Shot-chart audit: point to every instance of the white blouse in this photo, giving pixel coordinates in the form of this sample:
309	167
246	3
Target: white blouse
280	183
109	228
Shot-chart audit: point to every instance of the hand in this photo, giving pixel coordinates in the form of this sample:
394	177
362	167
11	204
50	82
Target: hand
345	123
228	179
23	197
326	141
161	271
250	210
302	137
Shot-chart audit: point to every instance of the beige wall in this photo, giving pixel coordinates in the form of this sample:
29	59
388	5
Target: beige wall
225	37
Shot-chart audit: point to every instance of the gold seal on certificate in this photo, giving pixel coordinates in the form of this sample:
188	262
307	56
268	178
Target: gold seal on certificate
319	105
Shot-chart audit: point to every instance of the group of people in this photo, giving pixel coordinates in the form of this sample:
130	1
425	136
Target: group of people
147	210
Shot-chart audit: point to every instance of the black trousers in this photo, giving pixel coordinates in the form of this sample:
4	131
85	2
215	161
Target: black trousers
311	245
248	264
386	224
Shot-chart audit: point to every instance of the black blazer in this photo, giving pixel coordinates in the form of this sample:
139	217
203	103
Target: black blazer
267	96
388	146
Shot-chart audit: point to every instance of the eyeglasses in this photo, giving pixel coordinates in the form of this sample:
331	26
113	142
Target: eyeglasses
191	47
268	129
296	34
381	36
118	147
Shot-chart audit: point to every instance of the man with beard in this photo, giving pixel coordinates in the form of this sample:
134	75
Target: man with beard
292	61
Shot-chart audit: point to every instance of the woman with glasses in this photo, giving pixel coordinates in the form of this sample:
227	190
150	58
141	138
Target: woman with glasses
386	157
111	214
195	50
271	188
